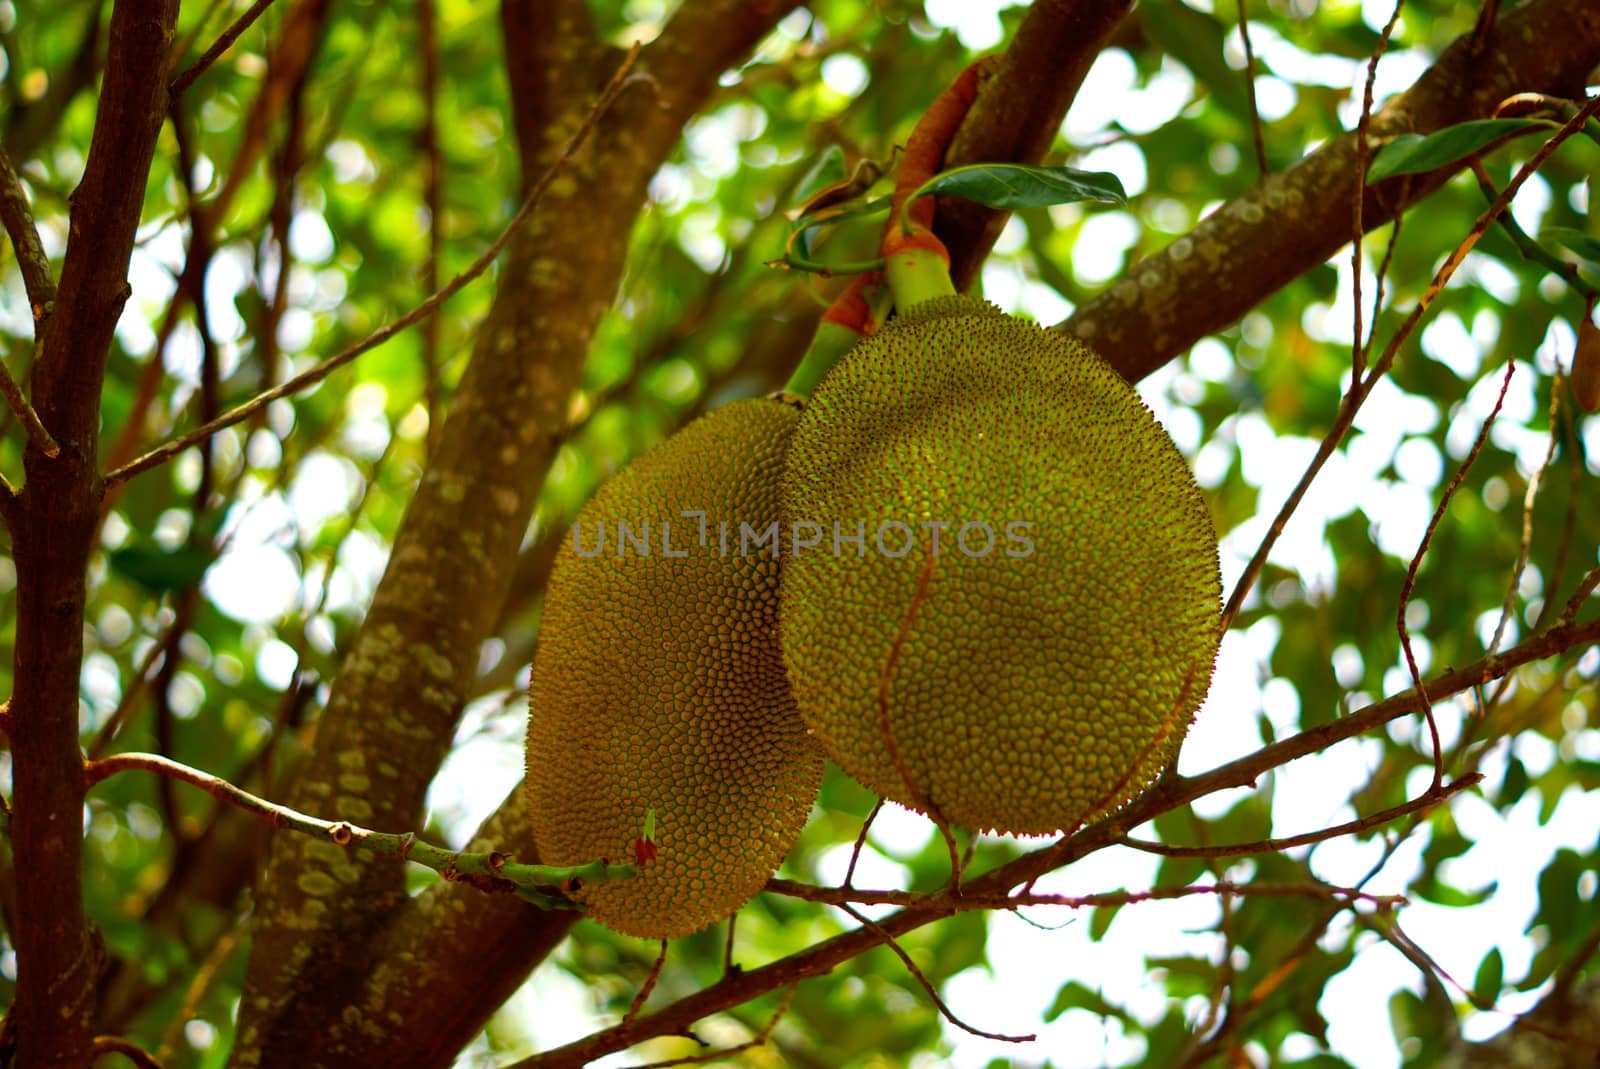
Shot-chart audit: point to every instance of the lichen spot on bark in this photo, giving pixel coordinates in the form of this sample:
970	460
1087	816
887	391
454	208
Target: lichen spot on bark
349	807
316	884
433	662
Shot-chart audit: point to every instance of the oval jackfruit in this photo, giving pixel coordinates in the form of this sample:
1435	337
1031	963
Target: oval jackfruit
659	684
1014	609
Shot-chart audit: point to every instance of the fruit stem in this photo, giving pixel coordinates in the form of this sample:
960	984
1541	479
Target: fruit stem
915	261
926	148
918	273
852	316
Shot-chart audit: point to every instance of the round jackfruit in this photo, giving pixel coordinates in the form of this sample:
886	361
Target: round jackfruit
1013	610
659	683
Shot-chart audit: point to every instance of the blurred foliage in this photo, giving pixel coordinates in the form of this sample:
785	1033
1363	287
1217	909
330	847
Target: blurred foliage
221	603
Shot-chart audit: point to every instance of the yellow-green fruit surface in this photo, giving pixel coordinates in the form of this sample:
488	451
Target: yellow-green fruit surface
1040	669
659	683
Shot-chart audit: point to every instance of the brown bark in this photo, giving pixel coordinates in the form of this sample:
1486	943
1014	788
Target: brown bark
1562	1032
1019	110
337	974
1297	218
53	523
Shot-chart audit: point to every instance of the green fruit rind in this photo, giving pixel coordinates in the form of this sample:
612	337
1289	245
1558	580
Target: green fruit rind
659	684
1017	692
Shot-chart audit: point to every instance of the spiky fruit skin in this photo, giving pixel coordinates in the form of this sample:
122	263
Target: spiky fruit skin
659	684
1014	691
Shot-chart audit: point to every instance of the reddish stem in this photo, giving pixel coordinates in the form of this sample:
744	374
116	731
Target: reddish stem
851	309
921	160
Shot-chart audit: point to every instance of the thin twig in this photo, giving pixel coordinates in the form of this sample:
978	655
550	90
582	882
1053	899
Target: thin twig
1531	250
943	902
757	1040
433	197
1358	347
1250	91
1410	581
885	679
104	1045
1427	800
31	258
1359	390
218	47
161	454
649	985
201	984
1585	588
1529	497
1241	1010
727	944
26	415
927	985
488	870
1390	932
861	841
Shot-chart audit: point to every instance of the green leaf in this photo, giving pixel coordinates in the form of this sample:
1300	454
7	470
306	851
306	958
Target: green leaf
1514	784
1491	973
1195	39
1100	921
160	570
1416	153
828	169
1076	996
1442	894
1576	240
1016	185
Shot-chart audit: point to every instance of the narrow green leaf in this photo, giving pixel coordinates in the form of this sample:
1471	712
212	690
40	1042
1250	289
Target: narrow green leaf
1100	921
1416	153
1076	996
828	169
1442	894
1491	973
1576	240
1015	185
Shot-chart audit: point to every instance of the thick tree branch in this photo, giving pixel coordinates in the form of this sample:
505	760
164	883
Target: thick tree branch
1296	219
53	534
1019	111
392	713
552	63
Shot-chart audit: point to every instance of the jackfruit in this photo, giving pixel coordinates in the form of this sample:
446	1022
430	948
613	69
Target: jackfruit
1002	604
659	684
